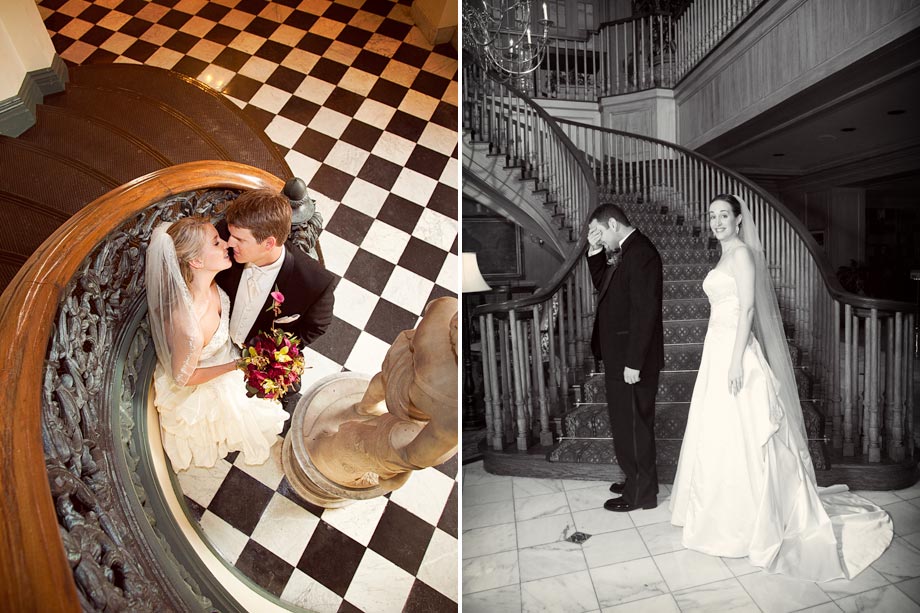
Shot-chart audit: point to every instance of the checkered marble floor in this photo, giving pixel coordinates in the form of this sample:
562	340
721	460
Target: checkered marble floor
516	558
365	110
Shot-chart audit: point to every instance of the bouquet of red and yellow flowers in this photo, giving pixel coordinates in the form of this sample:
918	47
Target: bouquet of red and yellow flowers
272	362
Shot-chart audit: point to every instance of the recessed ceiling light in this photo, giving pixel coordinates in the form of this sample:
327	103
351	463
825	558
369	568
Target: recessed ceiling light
847	129
897	112
778	155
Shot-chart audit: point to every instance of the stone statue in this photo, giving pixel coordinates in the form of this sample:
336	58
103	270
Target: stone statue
353	438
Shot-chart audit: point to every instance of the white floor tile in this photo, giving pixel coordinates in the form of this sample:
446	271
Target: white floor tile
866	580
491	539
614	547
627	581
598	521
379	585
662	537
559	558
887	599
543	530
534	507
571	593
500	600
723	596
495	491
490	571
899	562
526	486
686	568
489	514
664	603
781	594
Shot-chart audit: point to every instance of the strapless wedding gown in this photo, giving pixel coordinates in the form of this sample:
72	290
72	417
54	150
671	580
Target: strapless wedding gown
742	488
200	424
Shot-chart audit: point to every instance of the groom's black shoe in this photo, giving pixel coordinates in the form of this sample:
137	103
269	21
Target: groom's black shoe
617	488
619	505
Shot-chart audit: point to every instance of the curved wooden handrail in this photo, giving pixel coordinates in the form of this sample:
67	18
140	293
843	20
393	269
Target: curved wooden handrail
834	287
34	572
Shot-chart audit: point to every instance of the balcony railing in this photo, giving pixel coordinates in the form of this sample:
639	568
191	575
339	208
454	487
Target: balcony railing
635	54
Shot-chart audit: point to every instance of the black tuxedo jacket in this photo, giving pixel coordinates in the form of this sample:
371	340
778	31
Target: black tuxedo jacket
628	329
308	291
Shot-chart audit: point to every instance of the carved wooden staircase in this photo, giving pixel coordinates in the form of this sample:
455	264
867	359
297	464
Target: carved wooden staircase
539	380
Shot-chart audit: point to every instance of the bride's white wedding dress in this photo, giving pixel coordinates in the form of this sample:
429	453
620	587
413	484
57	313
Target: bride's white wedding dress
200	424
744	488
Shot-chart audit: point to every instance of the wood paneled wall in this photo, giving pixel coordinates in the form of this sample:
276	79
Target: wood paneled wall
785	47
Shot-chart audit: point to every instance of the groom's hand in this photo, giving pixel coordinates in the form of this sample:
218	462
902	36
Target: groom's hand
594	240
630	375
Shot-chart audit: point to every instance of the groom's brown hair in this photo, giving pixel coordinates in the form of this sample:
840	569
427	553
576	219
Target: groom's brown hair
263	212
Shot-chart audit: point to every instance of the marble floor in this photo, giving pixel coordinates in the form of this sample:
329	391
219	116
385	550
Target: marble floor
516	558
364	109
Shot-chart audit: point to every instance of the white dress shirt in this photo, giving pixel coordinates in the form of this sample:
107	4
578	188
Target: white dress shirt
256	283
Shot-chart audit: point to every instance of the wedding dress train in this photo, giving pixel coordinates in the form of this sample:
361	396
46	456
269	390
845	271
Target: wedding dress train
200	424
744	487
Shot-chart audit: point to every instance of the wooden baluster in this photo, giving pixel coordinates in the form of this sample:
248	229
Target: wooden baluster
519	408
507	383
526	377
496	429
570	326
836	385
486	379
553	389
896	442
909	376
872	389
580	353
546	437
563	345
849	381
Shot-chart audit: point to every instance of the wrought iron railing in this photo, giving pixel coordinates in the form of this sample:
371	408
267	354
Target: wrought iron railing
868	408
81	522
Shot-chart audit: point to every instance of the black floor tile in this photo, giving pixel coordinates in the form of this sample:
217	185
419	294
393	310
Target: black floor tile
174	19
349	224
329	71
388	320
362	135
131	7
331	181
314	43
232	59
194	509
444	200
337	342
135	27
445	115
96	36
339	12
190	66
427	161
331	558
408	126
301	20
100	56
400	213
424	599
286	79
264	567
394	29
288	492
369	271
344	101
273	51
401	538
140	50
261	27
378	7
412	55
314	144
251	6
213	11
221	34
240	501
92	14
448	522
181	42
387	92
379	171
430	84
299	110
351	35
424	259
371	62
242	87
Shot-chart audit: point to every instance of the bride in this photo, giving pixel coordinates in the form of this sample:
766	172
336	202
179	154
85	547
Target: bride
199	393
745	484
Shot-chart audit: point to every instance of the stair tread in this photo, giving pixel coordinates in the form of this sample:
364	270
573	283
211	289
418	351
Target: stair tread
217	116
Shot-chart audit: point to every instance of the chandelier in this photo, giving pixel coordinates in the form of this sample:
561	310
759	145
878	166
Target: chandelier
499	32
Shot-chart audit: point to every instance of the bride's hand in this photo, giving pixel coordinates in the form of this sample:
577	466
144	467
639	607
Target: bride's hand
735	379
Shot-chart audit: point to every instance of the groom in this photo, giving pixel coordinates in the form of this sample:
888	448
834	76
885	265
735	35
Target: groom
628	335
257	225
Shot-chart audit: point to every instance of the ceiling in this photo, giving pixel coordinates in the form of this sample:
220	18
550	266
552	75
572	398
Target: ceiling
857	128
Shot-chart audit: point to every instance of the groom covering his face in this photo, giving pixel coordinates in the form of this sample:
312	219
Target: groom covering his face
629	337
257	225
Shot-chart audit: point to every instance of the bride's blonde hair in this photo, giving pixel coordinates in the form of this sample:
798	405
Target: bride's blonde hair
188	239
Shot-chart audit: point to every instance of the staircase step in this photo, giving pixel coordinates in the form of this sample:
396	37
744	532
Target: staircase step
148	120
689	256
42	222
687	308
686	272
675	290
93	142
56	182
674	241
219	118
601	452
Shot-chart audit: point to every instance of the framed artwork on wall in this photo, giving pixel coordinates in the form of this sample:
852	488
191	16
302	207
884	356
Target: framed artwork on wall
497	244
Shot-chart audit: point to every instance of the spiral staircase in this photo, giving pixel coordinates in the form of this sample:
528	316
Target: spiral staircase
545	406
